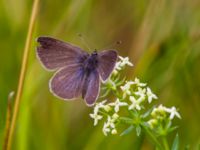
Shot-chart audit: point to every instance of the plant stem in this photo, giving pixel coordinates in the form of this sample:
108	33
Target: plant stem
23	72
152	137
165	143
8	120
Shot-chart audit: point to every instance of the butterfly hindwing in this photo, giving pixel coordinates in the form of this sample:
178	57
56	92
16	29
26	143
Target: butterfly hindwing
91	88
55	54
107	60
68	82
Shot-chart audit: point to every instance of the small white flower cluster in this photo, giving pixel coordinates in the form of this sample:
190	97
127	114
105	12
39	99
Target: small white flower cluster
105	109
137	92
132	96
124	61
110	125
95	114
161	112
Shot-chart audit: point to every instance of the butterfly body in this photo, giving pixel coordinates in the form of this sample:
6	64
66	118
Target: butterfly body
78	73
91	63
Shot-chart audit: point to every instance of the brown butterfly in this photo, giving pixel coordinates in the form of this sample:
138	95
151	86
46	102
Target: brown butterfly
78	73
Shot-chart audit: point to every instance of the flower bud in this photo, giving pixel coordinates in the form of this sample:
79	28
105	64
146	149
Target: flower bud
114	131
107	108
152	123
115	116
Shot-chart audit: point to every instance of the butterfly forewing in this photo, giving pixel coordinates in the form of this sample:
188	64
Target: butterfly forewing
68	82
55	54
107	60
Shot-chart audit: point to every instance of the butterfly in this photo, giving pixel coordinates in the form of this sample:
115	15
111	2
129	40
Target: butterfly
78	73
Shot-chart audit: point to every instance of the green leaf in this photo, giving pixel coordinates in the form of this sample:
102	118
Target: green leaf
172	128
146	114
106	93
120	82
127	131
175	145
145	124
126	120
117	78
168	124
133	113
138	130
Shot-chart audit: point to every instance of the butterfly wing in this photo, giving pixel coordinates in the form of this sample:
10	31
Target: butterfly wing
55	54
68	82
107	60
91	88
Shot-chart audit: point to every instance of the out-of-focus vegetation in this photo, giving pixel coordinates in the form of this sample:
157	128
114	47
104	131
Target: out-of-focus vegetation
162	38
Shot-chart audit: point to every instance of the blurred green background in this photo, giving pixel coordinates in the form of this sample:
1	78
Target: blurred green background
161	37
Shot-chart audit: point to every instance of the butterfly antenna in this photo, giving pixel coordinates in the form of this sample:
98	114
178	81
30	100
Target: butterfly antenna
84	42
113	45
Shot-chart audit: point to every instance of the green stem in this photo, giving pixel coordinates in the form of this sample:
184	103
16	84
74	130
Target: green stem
165	143
152	137
22	72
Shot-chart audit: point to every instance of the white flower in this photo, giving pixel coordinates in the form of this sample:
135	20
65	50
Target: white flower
118	66
135	103
159	111
121	64
150	95
96	118
173	112
106	129
160	108
98	106
138	83
110	122
141	92
125	61
118	104
109	126
95	115
127	88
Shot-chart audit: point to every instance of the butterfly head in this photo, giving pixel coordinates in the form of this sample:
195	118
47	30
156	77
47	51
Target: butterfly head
94	52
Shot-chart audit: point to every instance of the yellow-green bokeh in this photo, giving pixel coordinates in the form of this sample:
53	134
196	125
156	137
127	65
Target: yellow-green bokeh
161	37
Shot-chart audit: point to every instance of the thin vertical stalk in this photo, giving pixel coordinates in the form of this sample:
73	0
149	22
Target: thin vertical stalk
8	120
153	138
23	72
165	143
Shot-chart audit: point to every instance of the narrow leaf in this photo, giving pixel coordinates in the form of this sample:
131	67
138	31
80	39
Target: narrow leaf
145	115
175	145
172	129
138	130
126	120
127	131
